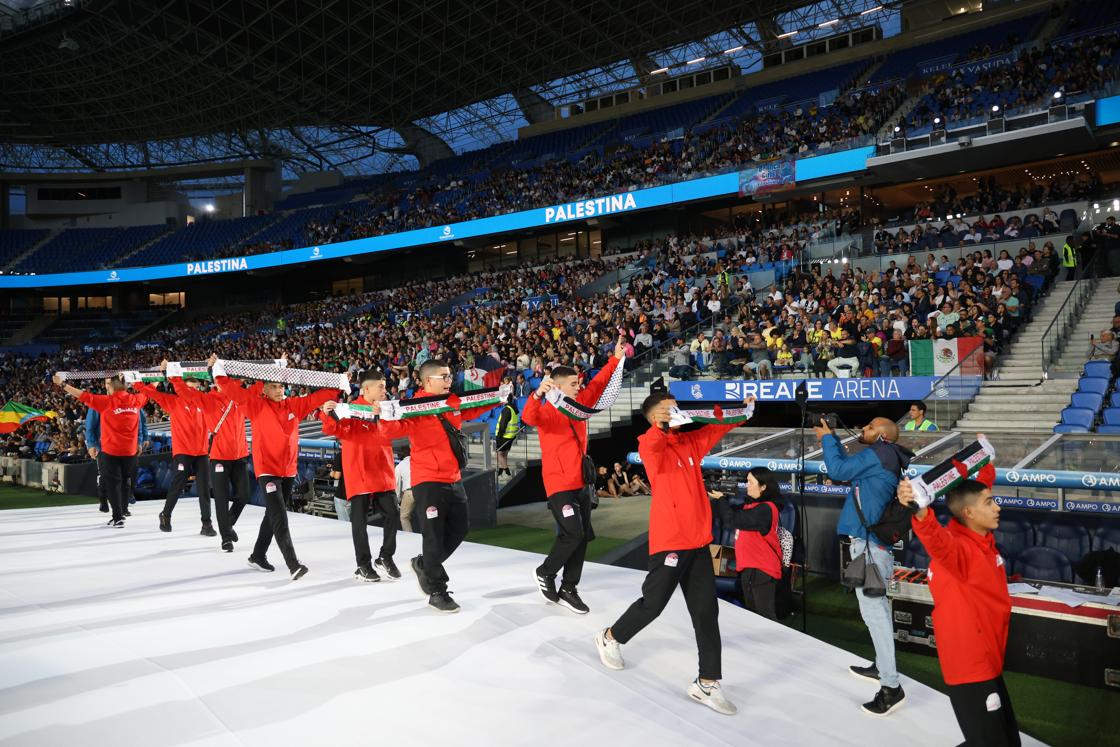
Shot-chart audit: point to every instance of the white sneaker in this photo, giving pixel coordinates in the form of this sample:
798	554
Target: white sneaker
610	651
711	696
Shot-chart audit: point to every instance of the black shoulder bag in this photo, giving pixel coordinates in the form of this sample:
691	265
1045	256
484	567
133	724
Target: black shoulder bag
861	572
587	465
456	439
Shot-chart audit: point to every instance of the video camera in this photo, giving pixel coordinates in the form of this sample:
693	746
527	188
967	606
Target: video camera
813	419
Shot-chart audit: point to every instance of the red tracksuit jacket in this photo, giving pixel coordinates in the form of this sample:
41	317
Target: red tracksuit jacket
680	514
188	425
971	606
563	440
229	441
120	420
275	425
367	457
432	458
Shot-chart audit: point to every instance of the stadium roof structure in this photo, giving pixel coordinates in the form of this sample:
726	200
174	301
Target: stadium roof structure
351	85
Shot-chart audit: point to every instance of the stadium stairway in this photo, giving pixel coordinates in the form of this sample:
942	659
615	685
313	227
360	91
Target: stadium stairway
1095	317
1021	399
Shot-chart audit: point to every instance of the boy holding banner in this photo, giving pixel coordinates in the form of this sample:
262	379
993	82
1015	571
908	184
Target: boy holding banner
432	421
562	429
275	418
680	530
968	581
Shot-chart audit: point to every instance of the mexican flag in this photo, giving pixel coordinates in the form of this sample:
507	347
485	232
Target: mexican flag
13	415
939	357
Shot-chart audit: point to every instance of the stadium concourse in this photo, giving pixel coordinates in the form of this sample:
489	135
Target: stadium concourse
869	230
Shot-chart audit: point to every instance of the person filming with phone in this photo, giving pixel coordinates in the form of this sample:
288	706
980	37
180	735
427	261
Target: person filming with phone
874	473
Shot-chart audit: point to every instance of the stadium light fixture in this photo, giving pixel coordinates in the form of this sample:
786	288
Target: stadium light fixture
869	11
696	61
937	120
208	207
826	24
788	34
897	128
1057	95
1114	143
659	70
995	108
733	50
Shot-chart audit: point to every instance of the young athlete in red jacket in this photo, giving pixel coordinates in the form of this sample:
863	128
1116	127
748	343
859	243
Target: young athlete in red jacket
275	419
437	482
370	477
120	426
563	447
229	452
971	610
680	531
758	553
189	449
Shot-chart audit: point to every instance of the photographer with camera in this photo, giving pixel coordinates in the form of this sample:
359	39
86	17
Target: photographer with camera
874	475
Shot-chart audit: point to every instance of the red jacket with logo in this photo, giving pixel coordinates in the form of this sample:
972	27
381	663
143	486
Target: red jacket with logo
275	425
759	549
563	440
120	420
432	458
680	514
188	425
367	456
229	440
971	606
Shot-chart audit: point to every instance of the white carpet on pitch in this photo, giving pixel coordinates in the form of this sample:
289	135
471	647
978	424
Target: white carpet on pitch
135	637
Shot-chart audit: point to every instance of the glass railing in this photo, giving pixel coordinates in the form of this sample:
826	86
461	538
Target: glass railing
1056	336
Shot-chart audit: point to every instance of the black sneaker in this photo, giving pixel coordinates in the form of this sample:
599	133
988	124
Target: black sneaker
116	523
104	507
232	535
208	530
443	602
421	580
546	585
164	522
387	567
126	513
887	700
299	572
365	573
866	673
569	598
261	564
227	546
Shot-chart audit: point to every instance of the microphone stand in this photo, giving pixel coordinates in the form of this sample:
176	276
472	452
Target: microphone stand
801	395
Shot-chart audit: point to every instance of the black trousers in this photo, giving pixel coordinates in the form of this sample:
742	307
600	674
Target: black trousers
759	591
984	713
386	502
277	492
184	466
229	480
102	485
116	471
692	571
572	511
444	522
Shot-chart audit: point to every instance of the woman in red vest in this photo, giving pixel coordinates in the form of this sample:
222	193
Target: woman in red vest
758	554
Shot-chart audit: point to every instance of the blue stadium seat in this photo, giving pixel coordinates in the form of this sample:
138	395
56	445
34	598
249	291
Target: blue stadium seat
1087	400
1107	537
1111	416
1098	370
1078	416
1044	564
1013	536
1072	540
916	555
1098	386
1103	429
1114	399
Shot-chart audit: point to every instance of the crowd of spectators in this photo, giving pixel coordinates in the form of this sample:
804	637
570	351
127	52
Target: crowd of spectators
1085	65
